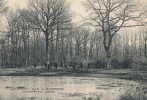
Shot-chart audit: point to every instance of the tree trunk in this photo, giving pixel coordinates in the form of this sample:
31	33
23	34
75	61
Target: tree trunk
145	47
108	55
71	48
107	45
47	49
57	45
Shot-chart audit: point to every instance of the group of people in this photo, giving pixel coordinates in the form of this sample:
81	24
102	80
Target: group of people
49	65
74	65
80	65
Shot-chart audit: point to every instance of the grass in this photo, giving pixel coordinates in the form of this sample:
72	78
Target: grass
127	74
134	93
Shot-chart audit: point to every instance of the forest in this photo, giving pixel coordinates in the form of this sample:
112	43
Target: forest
44	34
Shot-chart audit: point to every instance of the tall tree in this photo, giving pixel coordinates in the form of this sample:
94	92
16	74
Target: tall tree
3	10
47	15
111	16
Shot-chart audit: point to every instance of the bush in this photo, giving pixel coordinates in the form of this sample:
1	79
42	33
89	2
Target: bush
143	63
139	63
127	63
136	63
103	64
100	64
137	66
115	63
134	93
136	75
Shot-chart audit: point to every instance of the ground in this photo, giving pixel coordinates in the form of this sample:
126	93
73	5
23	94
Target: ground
127	74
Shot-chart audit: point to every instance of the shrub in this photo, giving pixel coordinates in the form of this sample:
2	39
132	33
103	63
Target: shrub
103	64
100	64
136	66
139	63
136	63
127	63
136	75
143	63
134	93
115	63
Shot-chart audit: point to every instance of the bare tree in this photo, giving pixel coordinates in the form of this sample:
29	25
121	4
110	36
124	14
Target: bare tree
3	7
145	44
111	16
47	15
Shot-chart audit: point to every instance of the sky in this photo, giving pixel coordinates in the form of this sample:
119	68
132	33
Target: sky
76	7
15	3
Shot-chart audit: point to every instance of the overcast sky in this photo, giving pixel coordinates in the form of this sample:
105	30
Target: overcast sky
76	6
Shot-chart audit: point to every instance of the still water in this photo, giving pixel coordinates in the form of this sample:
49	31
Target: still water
61	88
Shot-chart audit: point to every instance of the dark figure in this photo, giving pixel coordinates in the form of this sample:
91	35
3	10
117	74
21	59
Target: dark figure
51	64
74	66
35	65
66	65
45	65
71	64
55	65
6	64
81	66
48	66
88	65
61	64
2	64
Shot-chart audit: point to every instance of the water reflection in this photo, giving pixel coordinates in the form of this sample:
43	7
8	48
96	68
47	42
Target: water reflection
60	88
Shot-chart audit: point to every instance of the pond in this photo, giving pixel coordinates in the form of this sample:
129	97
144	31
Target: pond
61	88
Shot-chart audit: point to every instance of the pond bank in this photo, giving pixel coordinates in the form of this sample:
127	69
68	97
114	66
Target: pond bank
127	74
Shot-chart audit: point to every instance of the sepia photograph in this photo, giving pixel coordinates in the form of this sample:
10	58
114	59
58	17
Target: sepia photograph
73	49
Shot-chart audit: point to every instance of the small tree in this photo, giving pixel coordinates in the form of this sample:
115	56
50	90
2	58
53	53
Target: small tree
111	16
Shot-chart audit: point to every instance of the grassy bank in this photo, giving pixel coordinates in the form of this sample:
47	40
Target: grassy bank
98	73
